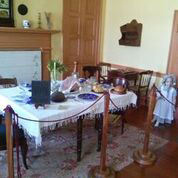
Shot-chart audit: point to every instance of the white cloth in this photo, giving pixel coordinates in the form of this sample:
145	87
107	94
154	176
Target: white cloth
56	111
70	83
164	111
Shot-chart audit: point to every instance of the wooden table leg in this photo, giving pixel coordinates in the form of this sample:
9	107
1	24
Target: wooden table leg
96	121
79	137
123	115
100	128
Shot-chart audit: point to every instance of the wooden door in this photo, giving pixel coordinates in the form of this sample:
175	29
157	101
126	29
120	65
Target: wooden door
80	32
173	54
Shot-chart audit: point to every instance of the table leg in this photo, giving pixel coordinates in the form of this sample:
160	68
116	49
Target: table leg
79	137
123	115
96	122
100	126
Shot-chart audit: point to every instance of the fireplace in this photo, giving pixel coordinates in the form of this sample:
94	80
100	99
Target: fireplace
14	39
24	65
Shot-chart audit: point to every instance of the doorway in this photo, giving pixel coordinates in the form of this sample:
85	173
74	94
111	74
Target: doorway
173	52
81	27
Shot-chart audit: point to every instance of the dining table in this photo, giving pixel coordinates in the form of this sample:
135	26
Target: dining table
36	121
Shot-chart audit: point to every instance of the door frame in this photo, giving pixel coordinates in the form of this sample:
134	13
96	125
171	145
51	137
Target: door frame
174	28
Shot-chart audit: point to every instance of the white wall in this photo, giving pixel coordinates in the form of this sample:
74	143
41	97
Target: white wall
157	19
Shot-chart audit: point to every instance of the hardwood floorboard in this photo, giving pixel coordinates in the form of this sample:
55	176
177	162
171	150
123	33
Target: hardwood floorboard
166	165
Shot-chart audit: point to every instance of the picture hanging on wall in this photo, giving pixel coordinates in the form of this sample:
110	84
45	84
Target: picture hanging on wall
131	34
6	13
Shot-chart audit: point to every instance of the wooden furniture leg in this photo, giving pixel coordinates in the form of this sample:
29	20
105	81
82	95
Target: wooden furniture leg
100	128
79	137
96	122
123	115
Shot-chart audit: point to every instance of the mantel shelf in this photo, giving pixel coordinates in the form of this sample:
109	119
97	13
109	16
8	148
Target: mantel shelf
22	30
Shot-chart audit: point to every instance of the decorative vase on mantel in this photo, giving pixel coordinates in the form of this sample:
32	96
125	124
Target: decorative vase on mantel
48	19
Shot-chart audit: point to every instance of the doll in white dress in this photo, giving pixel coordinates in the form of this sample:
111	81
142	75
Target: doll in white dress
164	109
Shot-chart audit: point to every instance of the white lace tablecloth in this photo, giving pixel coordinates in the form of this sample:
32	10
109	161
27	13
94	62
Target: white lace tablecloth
56	111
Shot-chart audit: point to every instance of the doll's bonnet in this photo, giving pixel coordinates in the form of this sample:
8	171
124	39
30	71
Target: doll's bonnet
169	76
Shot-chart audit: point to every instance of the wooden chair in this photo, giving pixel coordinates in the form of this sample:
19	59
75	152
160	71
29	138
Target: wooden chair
143	85
8	82
105	67
120	114
132	78
112	75
19	133
91	71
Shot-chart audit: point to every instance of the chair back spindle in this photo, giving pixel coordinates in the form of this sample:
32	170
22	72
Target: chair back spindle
8	82
90	71
104	68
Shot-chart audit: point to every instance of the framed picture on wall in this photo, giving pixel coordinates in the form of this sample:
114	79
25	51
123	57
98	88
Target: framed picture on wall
6	13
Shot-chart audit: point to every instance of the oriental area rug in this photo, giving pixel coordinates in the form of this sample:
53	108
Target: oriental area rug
58	158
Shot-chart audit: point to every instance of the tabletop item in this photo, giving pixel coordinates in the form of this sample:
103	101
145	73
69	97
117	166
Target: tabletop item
98	89
88	96
107	86
70	84
41	92
82	80
119	90
58	97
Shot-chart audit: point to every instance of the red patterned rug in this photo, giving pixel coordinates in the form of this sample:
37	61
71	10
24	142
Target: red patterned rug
59	152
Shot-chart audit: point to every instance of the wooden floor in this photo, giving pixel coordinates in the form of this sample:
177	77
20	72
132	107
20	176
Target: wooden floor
166	165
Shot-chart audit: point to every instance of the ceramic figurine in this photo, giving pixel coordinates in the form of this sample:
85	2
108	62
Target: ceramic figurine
26	24
165	105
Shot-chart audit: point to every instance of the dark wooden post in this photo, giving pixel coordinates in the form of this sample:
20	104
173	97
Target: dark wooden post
9	143
102	171
146	157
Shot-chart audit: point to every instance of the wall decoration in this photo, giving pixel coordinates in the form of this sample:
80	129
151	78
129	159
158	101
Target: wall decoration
48	19
131	34
6	13
39	20
22	9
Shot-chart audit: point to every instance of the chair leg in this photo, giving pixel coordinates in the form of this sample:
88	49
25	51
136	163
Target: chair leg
24	150
123	122
96	122
100	128
79	137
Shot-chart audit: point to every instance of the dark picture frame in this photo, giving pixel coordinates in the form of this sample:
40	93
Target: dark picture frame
6	13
